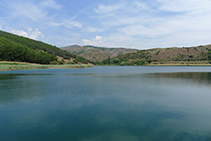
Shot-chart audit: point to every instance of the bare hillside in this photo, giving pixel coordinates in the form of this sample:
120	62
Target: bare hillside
97	53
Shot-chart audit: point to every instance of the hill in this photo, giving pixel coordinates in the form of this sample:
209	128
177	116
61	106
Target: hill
97	53
188	55
18	48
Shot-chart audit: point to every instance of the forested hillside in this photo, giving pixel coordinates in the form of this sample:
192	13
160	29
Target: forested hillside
17	48
11	51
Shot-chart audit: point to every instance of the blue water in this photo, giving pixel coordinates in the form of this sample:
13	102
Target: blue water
106	103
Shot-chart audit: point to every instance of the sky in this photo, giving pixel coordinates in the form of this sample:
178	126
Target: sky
140	24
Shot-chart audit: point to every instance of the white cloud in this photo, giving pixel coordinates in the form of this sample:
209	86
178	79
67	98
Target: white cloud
98	38
185	5
51	4
29	29
36	34
126	13
114	40
137	23
97	41
27	10
65	39
157	23
39	13
20	33
71	24
93	29
108	9
137	30
140	5
87	42
120	40
67	23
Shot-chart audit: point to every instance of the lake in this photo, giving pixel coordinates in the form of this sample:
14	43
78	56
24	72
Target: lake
106	104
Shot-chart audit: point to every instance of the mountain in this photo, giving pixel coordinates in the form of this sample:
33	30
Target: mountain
189	55
18	48
96	53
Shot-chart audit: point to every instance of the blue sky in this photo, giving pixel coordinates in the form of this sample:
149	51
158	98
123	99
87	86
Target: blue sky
140	24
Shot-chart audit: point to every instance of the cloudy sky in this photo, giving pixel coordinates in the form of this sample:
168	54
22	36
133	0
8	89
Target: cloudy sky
137	24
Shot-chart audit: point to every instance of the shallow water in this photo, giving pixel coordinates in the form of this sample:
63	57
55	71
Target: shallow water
106	103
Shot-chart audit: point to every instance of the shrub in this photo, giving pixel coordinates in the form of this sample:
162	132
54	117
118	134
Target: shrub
56	63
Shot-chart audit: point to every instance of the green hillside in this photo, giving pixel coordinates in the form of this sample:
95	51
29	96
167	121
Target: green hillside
11	51
189	55
17	48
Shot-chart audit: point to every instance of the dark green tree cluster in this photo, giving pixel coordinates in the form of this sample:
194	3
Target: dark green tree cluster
189	57
209	54
10	51
82	60
139	58
123	61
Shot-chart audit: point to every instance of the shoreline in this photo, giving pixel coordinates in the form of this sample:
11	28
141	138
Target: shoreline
10	66
161	65
179	65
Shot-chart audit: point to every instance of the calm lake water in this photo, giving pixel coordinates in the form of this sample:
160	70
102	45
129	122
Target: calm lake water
106	104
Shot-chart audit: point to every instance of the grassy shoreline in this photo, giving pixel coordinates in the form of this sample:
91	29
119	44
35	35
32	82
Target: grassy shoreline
179	64
10	66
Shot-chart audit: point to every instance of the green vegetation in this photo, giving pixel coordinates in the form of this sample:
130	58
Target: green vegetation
17	48
11	64
11	51
17	66
37	45
157	52
209	54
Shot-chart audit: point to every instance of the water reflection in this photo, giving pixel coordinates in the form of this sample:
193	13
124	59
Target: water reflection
200	77
8	76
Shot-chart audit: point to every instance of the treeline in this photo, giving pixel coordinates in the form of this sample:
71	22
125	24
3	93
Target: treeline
11	51
129	59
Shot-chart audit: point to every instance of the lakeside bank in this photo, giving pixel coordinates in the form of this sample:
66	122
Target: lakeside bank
10	66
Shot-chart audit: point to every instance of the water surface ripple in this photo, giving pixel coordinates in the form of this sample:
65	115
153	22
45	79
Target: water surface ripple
106	103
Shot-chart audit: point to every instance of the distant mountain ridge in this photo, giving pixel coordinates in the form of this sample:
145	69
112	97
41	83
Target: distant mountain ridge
94	53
